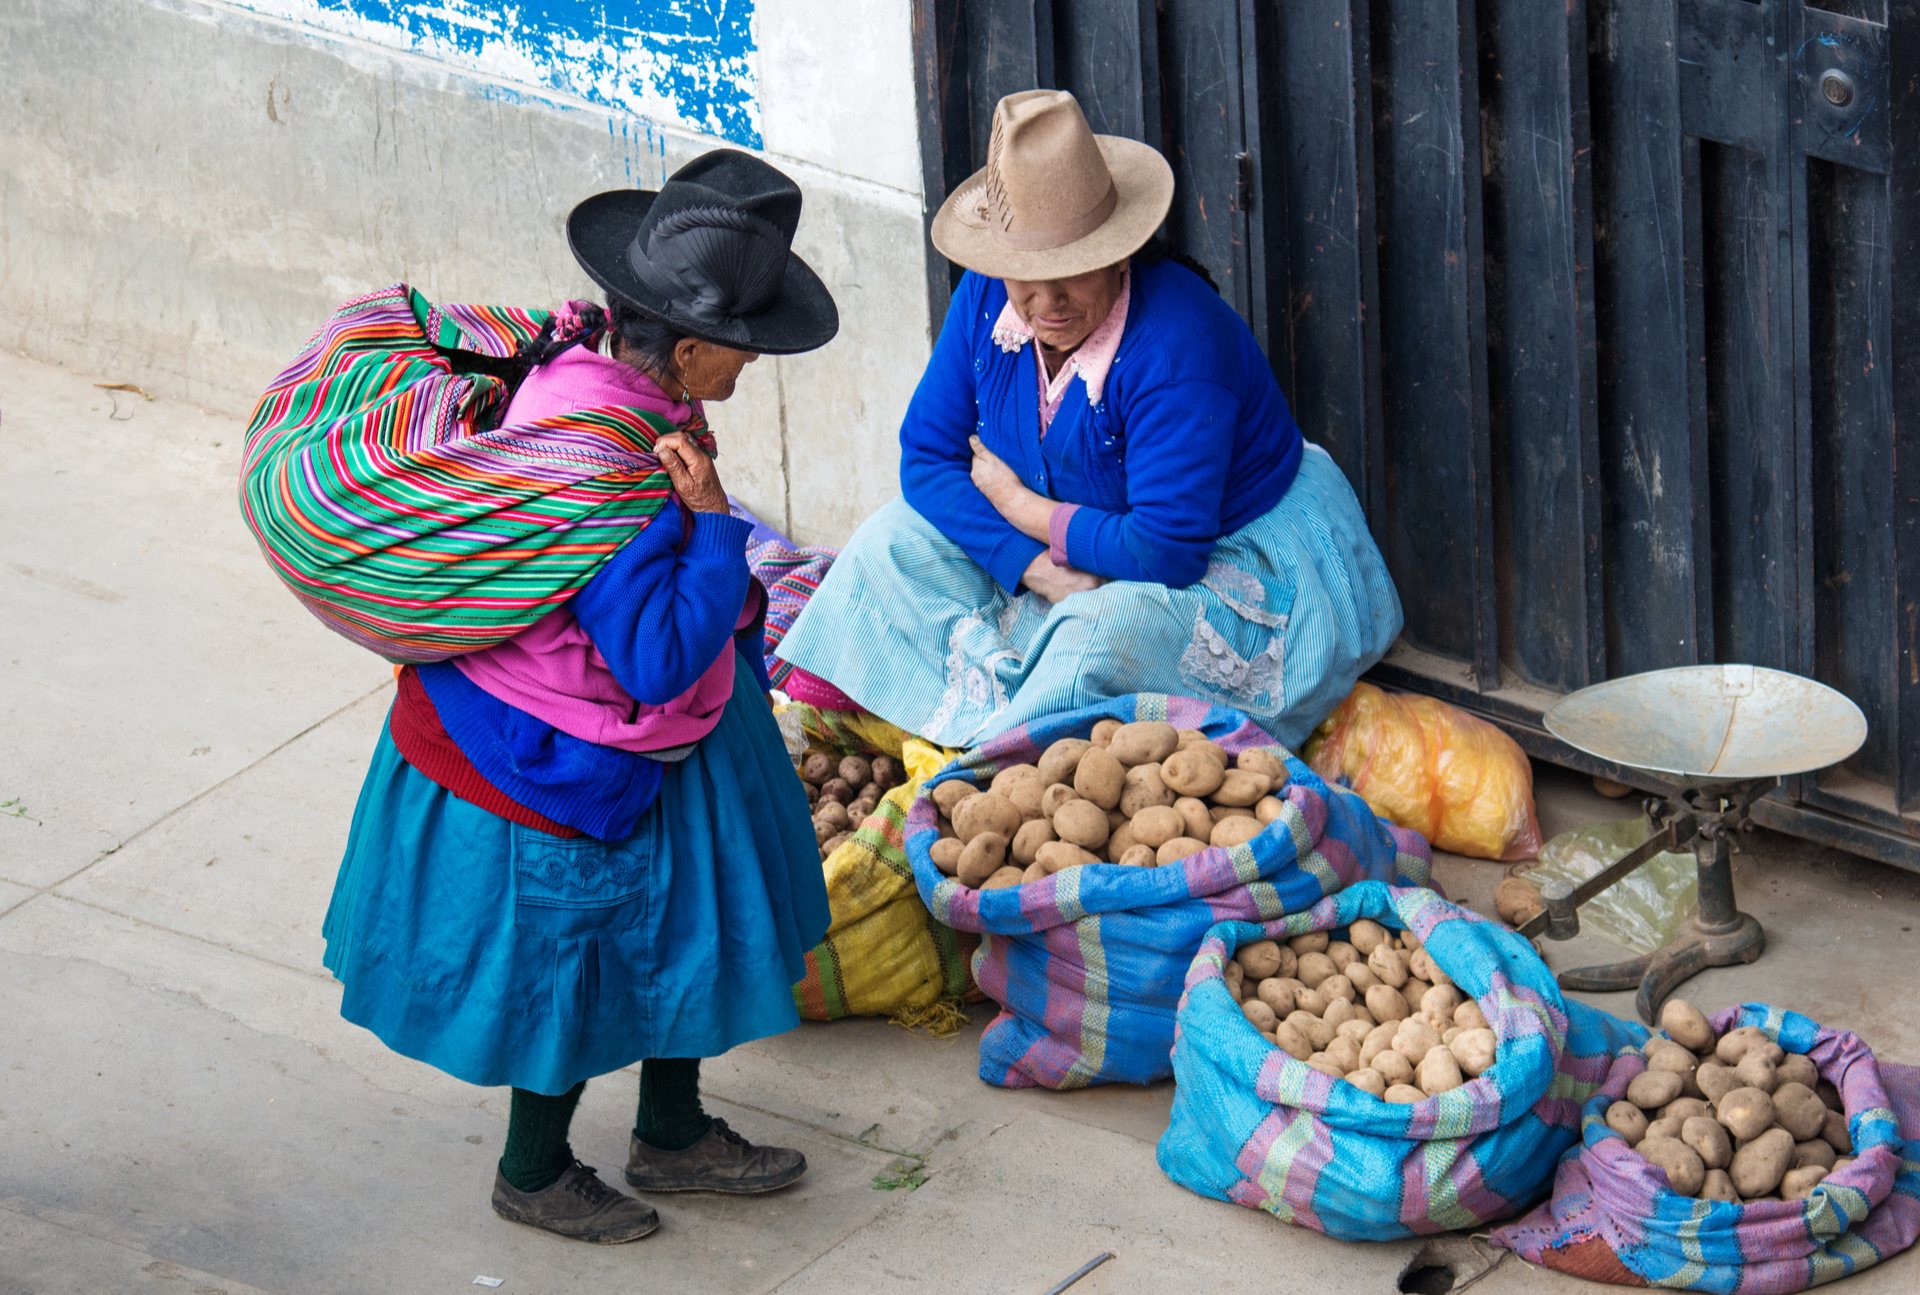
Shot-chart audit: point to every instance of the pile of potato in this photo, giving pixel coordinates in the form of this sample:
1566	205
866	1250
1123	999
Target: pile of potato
843	792
1139	795
1372	1009
1731	1117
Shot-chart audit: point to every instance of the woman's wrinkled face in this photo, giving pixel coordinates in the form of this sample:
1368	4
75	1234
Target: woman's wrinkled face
1063	312
708	370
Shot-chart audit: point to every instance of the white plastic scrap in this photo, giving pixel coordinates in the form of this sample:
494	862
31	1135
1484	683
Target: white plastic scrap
489	1281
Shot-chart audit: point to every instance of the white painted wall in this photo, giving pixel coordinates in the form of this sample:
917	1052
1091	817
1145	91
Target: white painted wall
187	188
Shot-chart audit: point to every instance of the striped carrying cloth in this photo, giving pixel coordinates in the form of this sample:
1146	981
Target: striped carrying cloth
1087	965
387	498
1253	1126
1613	1218
791	576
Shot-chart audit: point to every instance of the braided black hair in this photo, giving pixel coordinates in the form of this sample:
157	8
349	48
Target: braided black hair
646	339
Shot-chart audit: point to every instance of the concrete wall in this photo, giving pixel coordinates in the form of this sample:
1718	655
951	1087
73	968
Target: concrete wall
187	188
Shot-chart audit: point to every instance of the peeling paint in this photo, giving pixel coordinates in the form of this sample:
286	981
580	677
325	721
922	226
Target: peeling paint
687	63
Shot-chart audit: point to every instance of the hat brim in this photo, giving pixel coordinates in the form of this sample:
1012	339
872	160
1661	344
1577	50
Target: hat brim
1144	185
600	230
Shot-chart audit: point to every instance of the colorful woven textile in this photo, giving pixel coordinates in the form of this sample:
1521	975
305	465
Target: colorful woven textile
791	576
1253	1126
1088	964
1610	1207
386	498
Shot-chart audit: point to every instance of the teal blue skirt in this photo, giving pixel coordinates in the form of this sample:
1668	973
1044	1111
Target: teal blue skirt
501	954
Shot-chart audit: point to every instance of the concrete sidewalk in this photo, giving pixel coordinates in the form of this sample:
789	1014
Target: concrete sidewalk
184	1111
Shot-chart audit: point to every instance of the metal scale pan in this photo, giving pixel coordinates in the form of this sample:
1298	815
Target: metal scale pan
1724	736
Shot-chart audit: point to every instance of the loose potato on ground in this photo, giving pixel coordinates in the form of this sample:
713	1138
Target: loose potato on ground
946	855
1192	773
1709	1140
1241	788
1100	778
1058	762
1687	1025
1144	742
1229	832
1682	1164
983	856
1177	849
1083	823
1256	760
985	812
1028	840
1516	901
1759	1166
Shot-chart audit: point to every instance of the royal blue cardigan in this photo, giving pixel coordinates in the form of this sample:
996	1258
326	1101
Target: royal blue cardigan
1191	438
660	612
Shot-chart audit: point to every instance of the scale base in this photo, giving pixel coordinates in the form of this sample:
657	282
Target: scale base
1659	974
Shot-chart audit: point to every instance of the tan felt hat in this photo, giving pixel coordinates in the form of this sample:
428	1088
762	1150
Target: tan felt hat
1054	199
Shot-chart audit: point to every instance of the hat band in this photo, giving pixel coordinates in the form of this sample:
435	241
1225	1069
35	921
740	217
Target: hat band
1041	240
712	264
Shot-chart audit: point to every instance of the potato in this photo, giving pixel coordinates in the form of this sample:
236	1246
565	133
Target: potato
1685	1108
1715	1080
1798	1068
1516	901
1083	823
1438	1072
1121	840
1413	991
1229	832
1144	742
983	856
1718	1187
1195	821
1029	797
1059	760
1475	1050
1314	968
1142	787
1291	1041
1438	1003
1316	1031
1273	991
1268	808
950	793
1759	1166
1652	1089
1842	1162
1665	1054
1756	1071
1326	1066
1747	1112
946	855
1035	871
1155	826
1394	1067
1000	880
1054	797
985	812
1100	778
946	825
1387	1004
1343	1052
1685	1173
887	773
1103	732
1734	1044
838	790
1379	1039
1219	814
833	813
1192	773
1368	1081
1337	986
1055	856
1709	1140
1816	1151
1798	1110
1420	966
817	767
1242	787
861	810
1178	848
1310	942
1289	963
1260	1014
834	843
1414	1039
1339	1012
1358	974
1192	737
1262	761
1687	1025
1836	1132
1628	1120
1830	1095
1665	1127
1308	999
1356	1029
1028	840
1469	1016
1390	965
1136	856
1404	1095
1260	959
1798	1184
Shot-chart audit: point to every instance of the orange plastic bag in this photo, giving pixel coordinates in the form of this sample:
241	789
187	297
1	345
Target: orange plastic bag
1422	764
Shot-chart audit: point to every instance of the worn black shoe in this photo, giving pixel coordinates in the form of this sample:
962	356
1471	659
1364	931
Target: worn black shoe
723	1161
579	1207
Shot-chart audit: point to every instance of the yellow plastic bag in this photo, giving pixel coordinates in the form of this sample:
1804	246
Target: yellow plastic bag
1422	764
884	955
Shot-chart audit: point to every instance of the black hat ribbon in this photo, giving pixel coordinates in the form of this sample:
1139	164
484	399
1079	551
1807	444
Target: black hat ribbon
712	264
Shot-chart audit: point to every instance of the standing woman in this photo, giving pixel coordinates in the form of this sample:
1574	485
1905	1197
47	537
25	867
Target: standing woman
586	847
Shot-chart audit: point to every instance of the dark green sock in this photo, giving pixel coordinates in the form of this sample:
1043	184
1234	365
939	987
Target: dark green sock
671	1117
537	1149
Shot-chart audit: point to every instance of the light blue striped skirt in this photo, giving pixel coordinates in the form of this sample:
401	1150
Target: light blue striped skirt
1294	607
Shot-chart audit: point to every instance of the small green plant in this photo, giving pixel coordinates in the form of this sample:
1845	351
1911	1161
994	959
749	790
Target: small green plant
14	809
902	1174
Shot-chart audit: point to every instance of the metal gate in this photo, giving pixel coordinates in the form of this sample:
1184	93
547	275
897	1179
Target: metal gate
1610	310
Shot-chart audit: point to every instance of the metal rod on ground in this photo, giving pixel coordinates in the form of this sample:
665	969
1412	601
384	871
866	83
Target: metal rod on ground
1082	1271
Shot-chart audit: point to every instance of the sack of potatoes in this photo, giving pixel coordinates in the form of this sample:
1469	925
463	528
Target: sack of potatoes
843	791
1328	1060
1092	851
1753	1136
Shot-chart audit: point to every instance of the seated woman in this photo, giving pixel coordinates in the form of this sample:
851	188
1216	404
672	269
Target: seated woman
1158	525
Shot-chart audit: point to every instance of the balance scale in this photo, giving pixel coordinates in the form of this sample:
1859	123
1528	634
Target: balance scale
1723	736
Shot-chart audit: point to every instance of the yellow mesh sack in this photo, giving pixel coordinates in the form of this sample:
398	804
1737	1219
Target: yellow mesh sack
1422	764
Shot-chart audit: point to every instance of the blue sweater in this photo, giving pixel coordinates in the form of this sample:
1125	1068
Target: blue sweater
1191	439
660	615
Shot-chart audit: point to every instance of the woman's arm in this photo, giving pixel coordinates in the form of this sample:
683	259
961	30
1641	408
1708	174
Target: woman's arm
936	461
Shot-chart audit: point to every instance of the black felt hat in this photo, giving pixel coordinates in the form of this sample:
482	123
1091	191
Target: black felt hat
711	254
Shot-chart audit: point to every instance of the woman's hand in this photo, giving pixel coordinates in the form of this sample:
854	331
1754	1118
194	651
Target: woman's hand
695	479
1055	582
1026	511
